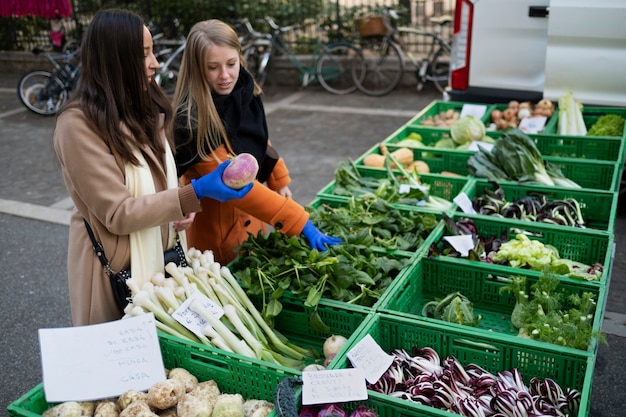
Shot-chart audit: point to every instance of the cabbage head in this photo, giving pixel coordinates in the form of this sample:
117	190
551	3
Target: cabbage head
466	129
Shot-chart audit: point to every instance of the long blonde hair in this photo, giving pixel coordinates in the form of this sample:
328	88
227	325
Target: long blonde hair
193	92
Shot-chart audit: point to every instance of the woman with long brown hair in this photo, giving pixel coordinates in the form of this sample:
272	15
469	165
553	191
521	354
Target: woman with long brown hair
118	167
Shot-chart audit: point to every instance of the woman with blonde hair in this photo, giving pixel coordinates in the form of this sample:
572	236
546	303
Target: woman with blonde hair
219	114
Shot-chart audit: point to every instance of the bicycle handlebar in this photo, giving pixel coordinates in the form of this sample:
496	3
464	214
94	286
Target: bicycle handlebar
276	27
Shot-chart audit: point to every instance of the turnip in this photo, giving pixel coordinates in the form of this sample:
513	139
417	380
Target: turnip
333	345
241	171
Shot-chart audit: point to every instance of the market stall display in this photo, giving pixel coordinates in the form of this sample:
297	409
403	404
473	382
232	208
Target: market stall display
468	318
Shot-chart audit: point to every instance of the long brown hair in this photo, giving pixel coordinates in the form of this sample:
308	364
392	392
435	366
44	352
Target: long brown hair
192	96
113	89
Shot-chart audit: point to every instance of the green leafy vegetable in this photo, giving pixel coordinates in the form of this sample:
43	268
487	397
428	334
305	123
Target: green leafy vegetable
270	265
515	157
467	129
550	314
607	125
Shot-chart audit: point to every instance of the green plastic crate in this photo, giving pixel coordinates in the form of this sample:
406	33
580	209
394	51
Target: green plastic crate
438	106
435	278
548	127
231	375
438	160
235	373
444	186
584	147
591	174
493	352
606	148
598	207
591	115
585	246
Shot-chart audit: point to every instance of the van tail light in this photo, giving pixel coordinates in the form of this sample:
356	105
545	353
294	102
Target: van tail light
462	40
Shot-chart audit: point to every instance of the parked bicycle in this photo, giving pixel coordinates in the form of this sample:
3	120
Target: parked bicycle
168	46
44	92
330	64
385	54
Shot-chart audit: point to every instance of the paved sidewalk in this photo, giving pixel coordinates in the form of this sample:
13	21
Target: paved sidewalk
312	129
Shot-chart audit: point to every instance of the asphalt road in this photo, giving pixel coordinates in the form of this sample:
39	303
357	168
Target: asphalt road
312	129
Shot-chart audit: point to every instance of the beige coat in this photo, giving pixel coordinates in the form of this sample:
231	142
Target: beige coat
94	178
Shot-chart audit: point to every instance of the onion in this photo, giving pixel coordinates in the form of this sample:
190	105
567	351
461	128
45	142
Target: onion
333	345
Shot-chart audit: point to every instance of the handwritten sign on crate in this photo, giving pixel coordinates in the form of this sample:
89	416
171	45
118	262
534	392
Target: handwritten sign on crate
102	360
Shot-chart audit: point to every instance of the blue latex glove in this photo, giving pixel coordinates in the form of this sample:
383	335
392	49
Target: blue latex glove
317	239
212	186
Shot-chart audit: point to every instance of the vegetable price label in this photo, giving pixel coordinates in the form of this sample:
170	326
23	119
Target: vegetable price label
371	358
532	124
476	110
333	386
461	243
191	319
101	360
464	203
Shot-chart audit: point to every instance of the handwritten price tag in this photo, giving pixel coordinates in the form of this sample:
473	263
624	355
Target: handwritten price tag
333	386
371	358
102	360
192	320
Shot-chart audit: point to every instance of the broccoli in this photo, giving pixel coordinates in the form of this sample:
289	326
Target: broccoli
607	125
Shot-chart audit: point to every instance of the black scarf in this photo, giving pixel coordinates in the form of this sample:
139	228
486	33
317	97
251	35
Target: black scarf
243	117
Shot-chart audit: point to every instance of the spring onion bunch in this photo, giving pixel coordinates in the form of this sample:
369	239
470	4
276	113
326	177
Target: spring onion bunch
241	329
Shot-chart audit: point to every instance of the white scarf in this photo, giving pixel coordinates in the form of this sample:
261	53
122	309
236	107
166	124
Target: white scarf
146	250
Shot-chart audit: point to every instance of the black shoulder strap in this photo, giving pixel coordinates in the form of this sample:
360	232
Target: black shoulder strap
97	247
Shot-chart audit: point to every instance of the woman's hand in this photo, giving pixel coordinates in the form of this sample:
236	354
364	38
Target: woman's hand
184	224
285	191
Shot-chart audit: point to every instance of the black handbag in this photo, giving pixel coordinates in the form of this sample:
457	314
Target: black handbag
121	292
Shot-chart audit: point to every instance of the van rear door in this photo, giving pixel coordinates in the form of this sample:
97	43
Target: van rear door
499	50
586	51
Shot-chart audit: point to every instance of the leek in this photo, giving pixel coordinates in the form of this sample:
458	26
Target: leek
571	120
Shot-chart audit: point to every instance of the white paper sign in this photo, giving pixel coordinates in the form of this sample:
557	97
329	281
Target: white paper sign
475	144
371	358
101	360
405	188
192	320
464	203
461	243
532	124
476	110
333	386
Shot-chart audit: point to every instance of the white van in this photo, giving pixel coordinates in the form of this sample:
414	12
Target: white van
533	49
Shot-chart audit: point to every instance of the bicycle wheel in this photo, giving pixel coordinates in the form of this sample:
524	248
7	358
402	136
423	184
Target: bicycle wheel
439	69
167	76
42	92
334	68
379	68
257	60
